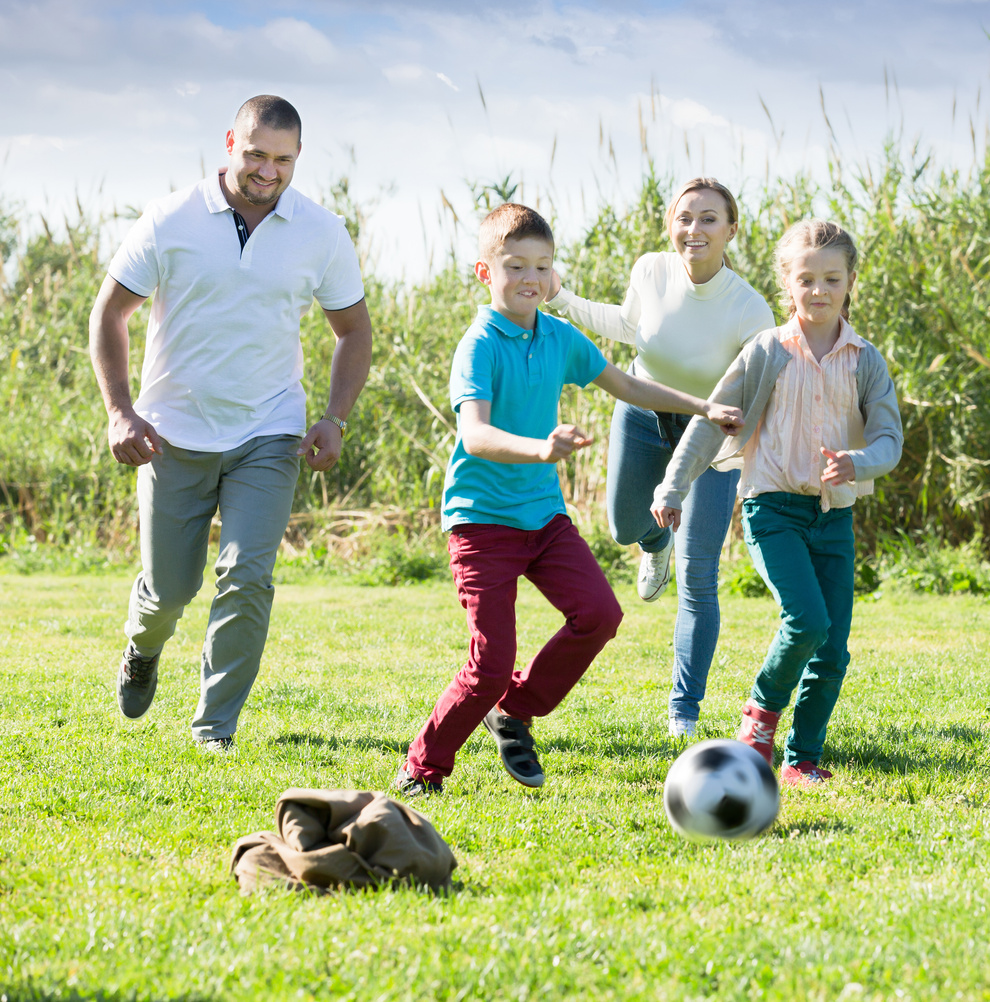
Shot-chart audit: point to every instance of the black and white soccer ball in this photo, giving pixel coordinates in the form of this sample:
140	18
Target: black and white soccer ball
721	789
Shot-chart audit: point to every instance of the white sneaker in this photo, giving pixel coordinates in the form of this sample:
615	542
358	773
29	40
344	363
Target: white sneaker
681	727
654	573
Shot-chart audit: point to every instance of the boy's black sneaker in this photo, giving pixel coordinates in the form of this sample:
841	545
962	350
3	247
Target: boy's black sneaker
415	786
137	681
515	745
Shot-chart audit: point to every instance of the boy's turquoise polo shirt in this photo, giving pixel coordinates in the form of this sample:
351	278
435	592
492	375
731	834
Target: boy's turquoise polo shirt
522	374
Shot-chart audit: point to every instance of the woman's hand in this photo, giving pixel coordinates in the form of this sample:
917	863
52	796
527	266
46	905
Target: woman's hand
554	285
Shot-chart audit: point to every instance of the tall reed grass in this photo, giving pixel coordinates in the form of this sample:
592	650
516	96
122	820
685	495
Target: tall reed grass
923	297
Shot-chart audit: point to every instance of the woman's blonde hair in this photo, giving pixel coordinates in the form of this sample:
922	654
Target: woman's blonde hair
704	184
812	234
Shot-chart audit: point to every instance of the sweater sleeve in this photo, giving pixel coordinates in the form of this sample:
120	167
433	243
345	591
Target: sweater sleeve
882	431
701	442
618	323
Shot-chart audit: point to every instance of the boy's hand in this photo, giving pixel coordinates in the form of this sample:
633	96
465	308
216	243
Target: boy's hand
562	441
667	516
729	419
554	285
839	469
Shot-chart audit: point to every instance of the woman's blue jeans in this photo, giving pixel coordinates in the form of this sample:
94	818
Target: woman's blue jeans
637	460
808	559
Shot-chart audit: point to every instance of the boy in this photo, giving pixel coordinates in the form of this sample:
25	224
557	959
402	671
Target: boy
504	509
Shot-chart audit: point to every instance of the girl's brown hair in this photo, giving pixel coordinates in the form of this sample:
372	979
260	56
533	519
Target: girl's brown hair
704	184
812	234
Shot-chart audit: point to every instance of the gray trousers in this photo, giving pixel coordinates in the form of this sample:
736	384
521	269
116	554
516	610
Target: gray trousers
178	494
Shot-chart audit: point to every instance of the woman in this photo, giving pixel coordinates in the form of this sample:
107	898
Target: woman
688	314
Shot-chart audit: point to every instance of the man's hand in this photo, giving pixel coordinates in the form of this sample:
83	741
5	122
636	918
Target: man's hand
562	441
667	516
327	440
839	469
729	419
133	441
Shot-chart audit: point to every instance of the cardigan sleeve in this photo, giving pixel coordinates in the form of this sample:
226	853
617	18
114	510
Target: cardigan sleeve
882	430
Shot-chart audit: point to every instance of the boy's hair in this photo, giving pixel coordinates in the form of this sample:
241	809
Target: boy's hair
510	222
811	234
704	184
270	111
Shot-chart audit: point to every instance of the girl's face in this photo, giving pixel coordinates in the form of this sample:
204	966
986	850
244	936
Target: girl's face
817	282
700	229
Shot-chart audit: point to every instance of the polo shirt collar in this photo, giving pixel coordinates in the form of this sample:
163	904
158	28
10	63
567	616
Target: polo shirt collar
216	202
489	315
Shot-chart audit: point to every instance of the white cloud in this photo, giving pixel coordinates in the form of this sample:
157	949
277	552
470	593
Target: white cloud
391	94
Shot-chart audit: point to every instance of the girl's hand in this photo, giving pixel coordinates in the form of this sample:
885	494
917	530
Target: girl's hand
839	468
667	516
554	285
729	419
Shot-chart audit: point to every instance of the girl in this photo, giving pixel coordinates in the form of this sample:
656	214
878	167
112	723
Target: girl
688	314
821	421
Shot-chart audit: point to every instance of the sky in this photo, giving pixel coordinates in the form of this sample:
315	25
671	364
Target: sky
416	104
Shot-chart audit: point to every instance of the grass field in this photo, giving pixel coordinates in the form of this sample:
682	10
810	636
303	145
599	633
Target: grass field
115	837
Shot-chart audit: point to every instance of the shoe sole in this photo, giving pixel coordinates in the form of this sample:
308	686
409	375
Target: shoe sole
529	781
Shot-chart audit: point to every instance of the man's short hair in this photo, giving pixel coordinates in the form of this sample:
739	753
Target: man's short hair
510	222
270	111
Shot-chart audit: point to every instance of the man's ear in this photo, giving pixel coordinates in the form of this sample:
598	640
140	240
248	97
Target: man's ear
483	272
230	141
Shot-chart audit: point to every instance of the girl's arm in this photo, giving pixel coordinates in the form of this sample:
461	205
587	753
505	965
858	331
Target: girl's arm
882	430
618	323
482	439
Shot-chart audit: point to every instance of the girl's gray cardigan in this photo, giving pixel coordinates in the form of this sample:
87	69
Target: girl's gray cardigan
748	384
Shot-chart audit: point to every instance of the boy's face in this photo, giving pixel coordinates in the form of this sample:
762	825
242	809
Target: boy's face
518	277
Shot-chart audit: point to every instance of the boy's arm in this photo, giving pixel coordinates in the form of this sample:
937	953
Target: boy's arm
483	440
657	397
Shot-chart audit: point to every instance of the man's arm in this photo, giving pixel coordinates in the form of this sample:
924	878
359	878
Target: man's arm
482	439
348	373
133	441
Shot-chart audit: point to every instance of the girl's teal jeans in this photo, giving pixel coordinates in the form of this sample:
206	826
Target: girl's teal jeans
807	558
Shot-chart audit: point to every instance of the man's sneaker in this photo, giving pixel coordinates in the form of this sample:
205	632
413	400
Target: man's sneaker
137	681
758	728
681	727
654	573
415	786
515	745
215	745
804	774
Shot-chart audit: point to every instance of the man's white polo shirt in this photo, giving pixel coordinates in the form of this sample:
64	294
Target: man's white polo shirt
223	361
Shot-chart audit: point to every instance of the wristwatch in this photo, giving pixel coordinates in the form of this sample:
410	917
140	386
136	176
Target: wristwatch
342	425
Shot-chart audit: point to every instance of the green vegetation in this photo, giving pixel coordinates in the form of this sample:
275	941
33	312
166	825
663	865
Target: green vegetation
115	837
923	297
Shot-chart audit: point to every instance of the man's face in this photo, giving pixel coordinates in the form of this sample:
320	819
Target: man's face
261	161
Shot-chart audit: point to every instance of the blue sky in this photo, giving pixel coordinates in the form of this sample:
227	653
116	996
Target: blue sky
119	102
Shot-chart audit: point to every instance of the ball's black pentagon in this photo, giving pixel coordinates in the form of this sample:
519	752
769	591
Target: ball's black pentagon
731	812
676	807
711	758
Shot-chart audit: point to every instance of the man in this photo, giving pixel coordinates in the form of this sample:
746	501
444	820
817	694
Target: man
234	261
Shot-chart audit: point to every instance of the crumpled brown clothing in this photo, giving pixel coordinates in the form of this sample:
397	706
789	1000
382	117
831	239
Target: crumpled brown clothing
329	839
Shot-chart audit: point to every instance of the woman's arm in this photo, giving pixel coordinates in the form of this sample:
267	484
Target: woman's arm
618	323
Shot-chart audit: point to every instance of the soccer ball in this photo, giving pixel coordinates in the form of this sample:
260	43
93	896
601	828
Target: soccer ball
721	789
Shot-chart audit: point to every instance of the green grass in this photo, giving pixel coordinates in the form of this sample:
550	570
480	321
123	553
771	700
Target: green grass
115	837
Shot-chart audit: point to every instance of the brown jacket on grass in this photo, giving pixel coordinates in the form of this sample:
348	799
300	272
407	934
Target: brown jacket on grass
329	839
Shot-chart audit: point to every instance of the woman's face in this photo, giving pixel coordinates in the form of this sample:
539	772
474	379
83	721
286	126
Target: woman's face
700	229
